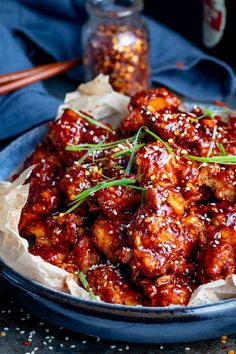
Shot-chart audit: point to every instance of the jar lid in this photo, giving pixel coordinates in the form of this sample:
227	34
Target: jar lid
114	8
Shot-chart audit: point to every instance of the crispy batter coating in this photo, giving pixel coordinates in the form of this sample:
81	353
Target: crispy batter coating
44	192
161	241
216	254
156	100
107	282
75	180
72	129
63	241
118	199
221	180
160	168
109	234
168	290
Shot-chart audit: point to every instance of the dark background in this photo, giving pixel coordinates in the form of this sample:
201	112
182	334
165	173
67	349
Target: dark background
183	16
186	17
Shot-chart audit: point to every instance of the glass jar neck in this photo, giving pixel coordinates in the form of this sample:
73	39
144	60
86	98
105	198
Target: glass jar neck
112	9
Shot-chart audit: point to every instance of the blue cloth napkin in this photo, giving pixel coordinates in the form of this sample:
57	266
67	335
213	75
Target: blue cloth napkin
55	27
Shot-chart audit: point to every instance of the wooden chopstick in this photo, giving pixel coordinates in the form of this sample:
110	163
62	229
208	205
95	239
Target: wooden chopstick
14	81
23	73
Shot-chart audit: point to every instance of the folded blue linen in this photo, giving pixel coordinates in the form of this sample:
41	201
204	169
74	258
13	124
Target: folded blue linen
55	27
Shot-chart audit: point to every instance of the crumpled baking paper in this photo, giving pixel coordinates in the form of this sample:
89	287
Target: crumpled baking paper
97	98
14	248
222	289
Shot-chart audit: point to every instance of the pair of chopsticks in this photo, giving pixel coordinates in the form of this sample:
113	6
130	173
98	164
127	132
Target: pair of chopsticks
14	81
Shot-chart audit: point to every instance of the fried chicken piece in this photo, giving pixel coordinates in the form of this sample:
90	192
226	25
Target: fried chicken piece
43	198
72	129
109	234
63	241
168	290
107	282
156	99
216	254
160	168
77	179
111	200
161	241
221	179
189	132
43	153
118	199
83	256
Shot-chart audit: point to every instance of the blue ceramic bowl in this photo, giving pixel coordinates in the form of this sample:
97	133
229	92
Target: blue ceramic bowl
116	322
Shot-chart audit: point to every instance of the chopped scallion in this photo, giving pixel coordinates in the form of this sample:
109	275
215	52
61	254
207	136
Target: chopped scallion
230	160
89	119
86	286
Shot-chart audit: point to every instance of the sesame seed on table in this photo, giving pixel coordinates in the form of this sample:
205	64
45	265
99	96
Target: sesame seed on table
24	333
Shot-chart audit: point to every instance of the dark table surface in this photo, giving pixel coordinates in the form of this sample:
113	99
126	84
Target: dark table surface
21	332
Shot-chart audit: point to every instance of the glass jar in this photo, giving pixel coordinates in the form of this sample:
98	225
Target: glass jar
115	43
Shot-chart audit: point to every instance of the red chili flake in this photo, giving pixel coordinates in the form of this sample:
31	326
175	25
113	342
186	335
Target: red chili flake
26	343
179	65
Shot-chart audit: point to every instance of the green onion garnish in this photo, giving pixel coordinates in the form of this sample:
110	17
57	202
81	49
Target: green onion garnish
221	149
166	145
137	137
89	119
213	141
81	197
131	159
127	151
210	113
119	167
91	148
224	160
106	177
102	146
143	196
91	151
86	286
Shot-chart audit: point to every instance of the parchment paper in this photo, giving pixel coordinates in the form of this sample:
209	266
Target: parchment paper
14	249
99	99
